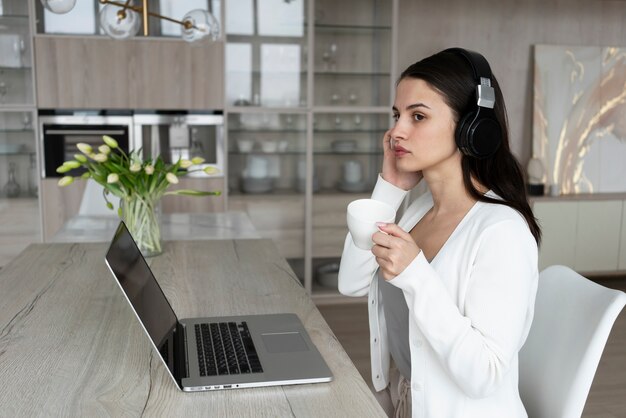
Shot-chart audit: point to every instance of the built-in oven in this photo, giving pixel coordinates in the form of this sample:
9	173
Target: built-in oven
61	134
175	135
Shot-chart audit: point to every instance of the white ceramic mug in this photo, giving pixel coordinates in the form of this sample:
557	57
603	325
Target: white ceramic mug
352	171
363	214
258	167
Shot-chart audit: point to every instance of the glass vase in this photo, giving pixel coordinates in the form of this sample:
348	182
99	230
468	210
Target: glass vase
142	216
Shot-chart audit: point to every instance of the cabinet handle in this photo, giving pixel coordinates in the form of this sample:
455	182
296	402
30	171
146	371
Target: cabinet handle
79	132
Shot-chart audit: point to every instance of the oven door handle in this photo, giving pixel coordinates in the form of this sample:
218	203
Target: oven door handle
79	132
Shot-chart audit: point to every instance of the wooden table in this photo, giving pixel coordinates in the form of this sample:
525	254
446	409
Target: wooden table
70	345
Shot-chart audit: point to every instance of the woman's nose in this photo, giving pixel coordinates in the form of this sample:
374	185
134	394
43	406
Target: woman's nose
398	131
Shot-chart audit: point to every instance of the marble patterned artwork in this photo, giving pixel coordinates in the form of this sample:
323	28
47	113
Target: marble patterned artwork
579	117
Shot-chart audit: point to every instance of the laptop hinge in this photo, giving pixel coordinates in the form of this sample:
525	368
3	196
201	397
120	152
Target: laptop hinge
181	366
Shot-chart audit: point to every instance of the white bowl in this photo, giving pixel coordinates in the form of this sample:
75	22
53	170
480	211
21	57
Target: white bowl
256	185
328	275
245	145
269	146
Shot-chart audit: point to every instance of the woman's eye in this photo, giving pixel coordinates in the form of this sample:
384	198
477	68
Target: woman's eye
396	117
418	116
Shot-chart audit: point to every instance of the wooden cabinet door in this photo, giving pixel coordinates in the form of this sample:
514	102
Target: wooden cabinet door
598	235
558	224
101	73
75	73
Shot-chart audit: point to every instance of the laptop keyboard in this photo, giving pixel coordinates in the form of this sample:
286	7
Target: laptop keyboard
226	348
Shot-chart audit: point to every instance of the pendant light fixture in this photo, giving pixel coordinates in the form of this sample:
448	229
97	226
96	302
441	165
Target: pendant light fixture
59	6
122	19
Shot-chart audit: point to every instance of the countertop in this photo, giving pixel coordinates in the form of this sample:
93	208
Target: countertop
175	226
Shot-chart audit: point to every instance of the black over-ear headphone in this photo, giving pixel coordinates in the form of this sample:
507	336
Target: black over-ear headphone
478	133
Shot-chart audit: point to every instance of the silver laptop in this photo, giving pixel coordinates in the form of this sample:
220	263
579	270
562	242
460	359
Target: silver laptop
214	353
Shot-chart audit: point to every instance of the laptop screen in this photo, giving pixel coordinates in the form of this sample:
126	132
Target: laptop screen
143	292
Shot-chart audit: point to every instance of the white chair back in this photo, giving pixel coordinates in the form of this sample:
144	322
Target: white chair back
572	322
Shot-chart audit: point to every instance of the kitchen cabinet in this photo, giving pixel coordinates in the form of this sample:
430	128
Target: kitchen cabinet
19	172
598	235
558	222
622	241
584	232
152	73
307	101
16	86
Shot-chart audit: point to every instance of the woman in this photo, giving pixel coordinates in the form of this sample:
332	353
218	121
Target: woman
452	286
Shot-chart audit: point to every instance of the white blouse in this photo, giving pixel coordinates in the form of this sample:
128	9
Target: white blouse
470	309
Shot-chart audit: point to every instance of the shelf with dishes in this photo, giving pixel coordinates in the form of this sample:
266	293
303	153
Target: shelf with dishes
268	186
8	68
305	126
332	173
14	44
317	72
348	73
16	130
19	177
14	18
4	152
351	28
15	87
337	152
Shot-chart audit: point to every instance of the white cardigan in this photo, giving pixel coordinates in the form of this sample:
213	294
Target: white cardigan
470	309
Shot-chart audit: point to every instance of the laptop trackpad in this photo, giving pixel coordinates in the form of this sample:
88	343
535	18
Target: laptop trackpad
284	342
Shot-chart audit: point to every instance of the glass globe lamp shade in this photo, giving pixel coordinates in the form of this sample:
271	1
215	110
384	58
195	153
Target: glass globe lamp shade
59	6
119	23
200	24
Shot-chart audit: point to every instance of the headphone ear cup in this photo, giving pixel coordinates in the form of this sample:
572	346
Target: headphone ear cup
478	135
462	140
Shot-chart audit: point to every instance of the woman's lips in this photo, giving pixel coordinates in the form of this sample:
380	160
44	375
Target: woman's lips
399	151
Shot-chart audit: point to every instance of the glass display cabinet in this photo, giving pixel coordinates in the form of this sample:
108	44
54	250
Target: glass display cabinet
19	173
347	157
267	176
266	97
18	159
266	54
18	162
16	87
308	99
352	52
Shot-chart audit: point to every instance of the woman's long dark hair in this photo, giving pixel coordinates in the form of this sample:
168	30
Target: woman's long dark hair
452	76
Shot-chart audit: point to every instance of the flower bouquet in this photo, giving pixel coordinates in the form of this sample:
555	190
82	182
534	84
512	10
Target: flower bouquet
138	183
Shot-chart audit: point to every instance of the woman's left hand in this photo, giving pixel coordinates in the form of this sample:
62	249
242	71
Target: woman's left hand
394	249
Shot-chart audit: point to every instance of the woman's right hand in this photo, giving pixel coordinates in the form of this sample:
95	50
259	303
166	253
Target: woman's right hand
401	179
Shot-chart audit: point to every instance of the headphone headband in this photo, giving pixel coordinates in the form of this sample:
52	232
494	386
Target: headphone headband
485	94
478	133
